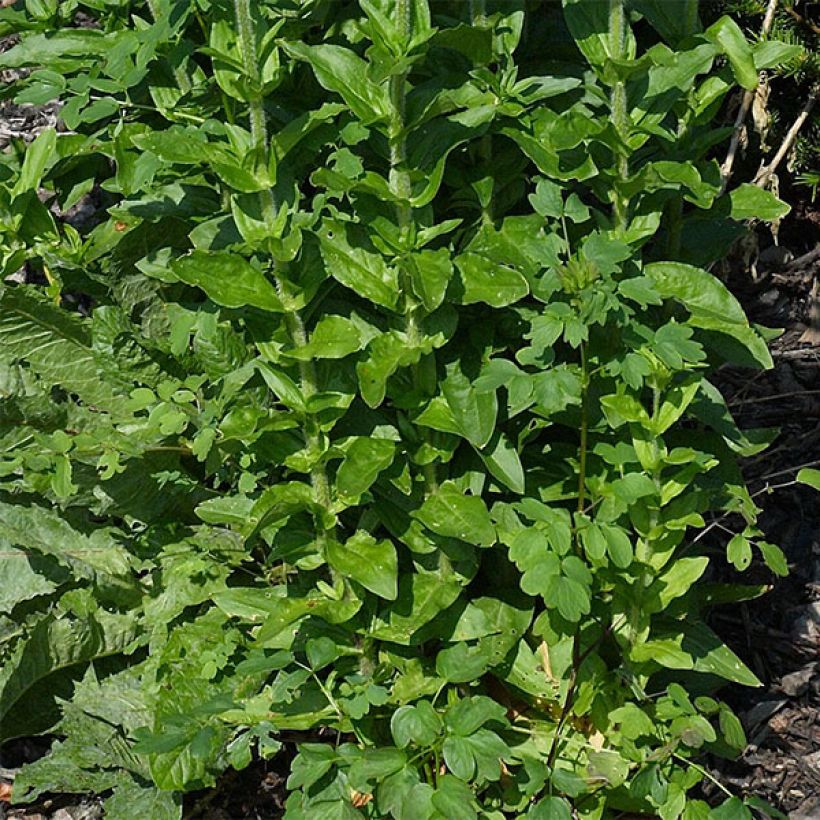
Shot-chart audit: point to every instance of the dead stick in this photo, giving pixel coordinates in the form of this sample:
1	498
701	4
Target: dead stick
745	105
765	173
803	20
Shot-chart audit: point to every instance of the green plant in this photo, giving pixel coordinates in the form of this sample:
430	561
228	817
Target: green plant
377	403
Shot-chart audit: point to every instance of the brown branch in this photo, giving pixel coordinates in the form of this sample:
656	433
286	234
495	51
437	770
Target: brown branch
796	15
765	173
745	105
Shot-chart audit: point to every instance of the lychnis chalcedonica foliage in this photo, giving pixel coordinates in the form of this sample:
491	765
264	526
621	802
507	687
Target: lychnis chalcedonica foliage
370	413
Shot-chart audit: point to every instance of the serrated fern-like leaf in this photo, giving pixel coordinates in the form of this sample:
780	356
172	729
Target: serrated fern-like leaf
54	343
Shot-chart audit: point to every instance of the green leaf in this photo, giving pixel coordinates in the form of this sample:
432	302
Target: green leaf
462	663
502	460
98	557
728	37
419	724
774	558
753	202
550	808
710	304
451	513
56	345
731	809
487	281
54	47
371	563
55	644
21	580
364	460
474	413
810	477
430	273
334	337
227	279
340	70
39	155
453	799
739	552
421	597
363	271
589	25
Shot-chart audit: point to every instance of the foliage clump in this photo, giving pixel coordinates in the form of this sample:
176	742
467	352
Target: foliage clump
377	402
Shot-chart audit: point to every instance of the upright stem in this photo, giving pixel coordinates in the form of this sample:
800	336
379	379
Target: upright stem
620	114
250	60
293	318
181	77
582	448
400	182
478	12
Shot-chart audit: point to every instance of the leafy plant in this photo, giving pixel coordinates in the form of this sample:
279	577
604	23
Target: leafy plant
377	402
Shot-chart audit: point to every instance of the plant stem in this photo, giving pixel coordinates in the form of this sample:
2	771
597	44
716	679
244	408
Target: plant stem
620	114
293	318
250	60
582	450
400	182
180	75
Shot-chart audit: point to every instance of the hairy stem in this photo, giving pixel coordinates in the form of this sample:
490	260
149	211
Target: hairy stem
400	182
620	113
250	60
180	75
293	318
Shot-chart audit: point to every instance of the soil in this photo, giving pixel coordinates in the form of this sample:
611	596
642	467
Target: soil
778	636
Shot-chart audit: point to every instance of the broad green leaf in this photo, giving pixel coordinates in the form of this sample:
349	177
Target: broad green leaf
487	281
474	413
739	552
55	644
340	70
550	808
421	597
451	513
227	279
53	48
673	405
56	344
363	271
588	23
453	799
39	155
385	355
810	477
364	460
371	563
334	337
673	21
233	509
710	304
430	273
753	202
419	724
98	557
502	460
21	580
461	662
728	37
678	579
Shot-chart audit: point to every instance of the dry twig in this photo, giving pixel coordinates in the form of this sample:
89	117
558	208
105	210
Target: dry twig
745	105
765	173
